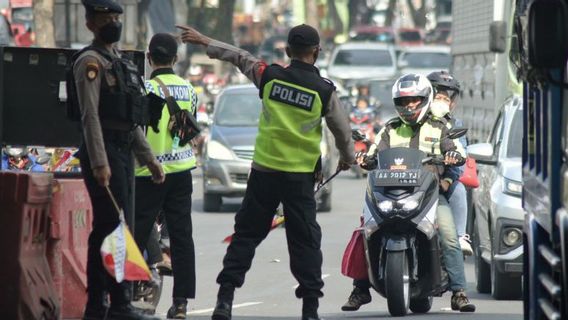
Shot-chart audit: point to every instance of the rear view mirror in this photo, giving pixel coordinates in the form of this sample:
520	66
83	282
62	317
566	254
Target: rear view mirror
356	135
482	153
457	133
547	34
498	36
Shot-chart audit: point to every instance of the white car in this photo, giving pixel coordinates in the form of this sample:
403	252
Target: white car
498	213
424	59
362	61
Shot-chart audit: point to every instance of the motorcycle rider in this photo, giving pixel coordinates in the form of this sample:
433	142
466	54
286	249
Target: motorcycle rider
415	128
446	91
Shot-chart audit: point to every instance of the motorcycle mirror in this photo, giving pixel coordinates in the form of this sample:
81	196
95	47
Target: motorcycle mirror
357	135
43	159
457	133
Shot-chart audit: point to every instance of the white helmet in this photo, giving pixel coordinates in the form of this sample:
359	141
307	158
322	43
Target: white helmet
412	85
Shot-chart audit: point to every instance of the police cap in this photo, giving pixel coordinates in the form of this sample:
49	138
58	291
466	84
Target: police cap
163	44
102	6
303	35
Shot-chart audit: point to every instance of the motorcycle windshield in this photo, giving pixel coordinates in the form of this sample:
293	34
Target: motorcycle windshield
399	167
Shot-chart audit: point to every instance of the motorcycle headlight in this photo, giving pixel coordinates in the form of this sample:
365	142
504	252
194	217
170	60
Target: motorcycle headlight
215	150
410	203
386	206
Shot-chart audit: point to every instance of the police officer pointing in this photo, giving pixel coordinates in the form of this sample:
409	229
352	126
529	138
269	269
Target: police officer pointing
106	96
285	161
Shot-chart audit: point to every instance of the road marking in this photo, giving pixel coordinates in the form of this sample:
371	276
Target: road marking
322	277
241	305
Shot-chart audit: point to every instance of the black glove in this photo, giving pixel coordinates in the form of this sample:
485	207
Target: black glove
454	156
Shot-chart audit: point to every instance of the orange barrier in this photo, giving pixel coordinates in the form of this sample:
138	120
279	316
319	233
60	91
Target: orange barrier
27	288
71	220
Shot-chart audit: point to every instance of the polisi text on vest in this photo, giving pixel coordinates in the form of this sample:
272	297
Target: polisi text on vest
292	96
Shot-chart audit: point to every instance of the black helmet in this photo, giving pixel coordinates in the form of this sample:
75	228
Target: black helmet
442	80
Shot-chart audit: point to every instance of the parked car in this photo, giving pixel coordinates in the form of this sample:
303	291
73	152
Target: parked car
360	61
498	212
424	59
229	150
373	33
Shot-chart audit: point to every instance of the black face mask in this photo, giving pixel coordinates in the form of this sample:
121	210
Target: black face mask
110	32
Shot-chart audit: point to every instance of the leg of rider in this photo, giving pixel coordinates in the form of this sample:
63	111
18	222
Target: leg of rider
451	251
453	257
458	204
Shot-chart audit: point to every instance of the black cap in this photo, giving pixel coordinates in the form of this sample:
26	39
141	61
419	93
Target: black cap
303	35
102	6
163	44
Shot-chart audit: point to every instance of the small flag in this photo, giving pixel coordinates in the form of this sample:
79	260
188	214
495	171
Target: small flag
120	254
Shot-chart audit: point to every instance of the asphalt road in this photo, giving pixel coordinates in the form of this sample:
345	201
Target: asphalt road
268	292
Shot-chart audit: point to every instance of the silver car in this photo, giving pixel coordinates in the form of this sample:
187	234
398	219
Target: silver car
228	152
498	212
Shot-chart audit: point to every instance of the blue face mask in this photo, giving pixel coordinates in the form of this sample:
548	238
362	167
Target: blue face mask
110	32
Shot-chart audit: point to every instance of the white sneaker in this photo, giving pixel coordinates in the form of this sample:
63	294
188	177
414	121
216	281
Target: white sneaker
465	244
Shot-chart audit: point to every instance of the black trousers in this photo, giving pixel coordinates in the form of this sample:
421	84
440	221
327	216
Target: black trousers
265	191
174	198
105	220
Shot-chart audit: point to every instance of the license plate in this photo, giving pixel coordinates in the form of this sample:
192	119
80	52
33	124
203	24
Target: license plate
397	177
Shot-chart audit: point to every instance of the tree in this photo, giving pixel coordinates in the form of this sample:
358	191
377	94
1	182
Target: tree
418	14
224	26
43	20
390	13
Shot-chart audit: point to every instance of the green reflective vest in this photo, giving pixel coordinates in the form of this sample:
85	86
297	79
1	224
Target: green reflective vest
161	143
290	128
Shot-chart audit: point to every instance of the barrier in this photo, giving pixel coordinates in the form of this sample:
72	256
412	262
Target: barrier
71	220
27	288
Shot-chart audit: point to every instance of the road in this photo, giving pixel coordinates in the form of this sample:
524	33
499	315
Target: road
268	292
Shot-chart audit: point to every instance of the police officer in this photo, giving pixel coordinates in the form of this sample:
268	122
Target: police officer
174	195
285	158
110	137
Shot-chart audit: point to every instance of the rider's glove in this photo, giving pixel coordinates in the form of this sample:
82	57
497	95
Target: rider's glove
454	158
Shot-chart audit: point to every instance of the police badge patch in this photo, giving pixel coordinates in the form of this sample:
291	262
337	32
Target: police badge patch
92	71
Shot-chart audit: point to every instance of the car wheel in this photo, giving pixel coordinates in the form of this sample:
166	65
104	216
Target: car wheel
482	269
325	204
503	285
211	202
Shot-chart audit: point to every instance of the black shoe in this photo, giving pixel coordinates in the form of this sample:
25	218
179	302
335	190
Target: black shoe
127	312
178	310
461	302
357	298
311	318
222	310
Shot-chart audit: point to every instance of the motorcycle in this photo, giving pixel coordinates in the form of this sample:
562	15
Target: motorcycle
402	247
362	121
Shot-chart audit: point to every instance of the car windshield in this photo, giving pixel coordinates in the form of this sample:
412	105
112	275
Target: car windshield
410	36
238	110
514	145
428	60
385	37
364	57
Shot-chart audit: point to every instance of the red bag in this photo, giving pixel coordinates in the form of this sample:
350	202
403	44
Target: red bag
469	176
354	264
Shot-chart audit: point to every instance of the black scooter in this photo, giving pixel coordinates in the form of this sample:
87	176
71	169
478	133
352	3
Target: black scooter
401	242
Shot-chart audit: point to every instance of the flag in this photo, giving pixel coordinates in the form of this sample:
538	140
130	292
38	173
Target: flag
120	254
277	221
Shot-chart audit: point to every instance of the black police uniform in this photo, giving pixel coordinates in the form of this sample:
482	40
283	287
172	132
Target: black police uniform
267	187
109	139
